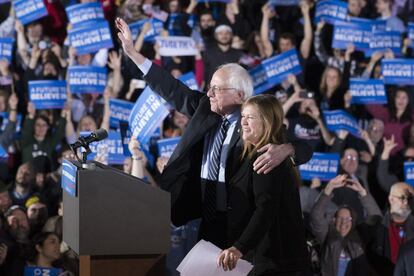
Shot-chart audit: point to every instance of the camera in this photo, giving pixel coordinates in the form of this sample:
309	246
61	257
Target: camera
306	94
43	44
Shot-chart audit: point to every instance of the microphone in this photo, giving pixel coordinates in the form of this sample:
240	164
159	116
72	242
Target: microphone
95	136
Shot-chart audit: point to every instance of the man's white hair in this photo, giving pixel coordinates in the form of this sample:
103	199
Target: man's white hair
238	78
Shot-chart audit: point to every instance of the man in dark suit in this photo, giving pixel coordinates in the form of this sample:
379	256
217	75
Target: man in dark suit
209	151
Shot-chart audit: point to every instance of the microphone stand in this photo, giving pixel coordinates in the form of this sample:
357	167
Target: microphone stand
82	143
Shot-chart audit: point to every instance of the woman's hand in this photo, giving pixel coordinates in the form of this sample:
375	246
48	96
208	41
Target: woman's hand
228	258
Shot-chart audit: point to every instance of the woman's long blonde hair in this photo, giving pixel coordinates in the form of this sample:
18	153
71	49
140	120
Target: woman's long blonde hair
271	116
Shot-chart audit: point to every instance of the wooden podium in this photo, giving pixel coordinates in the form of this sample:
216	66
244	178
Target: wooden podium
116	223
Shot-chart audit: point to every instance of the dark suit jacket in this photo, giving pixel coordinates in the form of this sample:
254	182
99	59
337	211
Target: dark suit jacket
265	218
405	264
181	176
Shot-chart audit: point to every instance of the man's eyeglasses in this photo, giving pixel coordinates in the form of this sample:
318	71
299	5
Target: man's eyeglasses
351	157
214	90
403	198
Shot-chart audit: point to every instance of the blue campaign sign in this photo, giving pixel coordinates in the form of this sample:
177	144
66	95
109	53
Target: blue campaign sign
85	13
367	91
112	146
87	79
166	146
91	38
331	11
409	173
357	33
189	80
322	165
382	41
120	111
410	33
259	78
125	136
6	48
398	71
275	3
69	177
341	120
5	121
147	114
156	28
48	94
29	10
279	67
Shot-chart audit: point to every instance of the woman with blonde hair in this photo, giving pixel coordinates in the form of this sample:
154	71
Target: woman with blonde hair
264	218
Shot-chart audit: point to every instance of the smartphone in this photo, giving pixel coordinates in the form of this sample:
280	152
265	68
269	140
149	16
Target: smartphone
306	94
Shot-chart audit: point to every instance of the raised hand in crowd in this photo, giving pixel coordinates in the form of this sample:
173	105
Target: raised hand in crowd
320	26
228	258
140	39
3	252
31	110
191	6
137	168
337	182
389	145
389	54
356	186
367	139
115	64
350	49
313	112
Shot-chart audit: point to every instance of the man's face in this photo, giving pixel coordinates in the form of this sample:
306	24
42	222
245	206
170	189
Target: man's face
34	210
223	99
18	225
224	37
285	45
399	203
376	131
354	7
343	222
349	161
5	201
206	21
23	175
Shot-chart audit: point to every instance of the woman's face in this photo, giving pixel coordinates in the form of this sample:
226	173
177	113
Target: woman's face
401	100
252	124
87	124
332	78
173	5
40	128
51	248
343	222
180	120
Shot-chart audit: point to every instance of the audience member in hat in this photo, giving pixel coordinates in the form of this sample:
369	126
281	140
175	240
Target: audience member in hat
36	213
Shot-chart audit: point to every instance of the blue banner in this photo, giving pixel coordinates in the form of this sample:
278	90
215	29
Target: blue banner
410	33
156	28
69	177
125	136
120	111
340	120
48	94
409	173
279	67
166	146
111	146
259	78
29	10
91	38
6	48
87	79
322	165
85	13
189	80
377	25
367	91
275	3
5	121
382	41
398	71
147	114
331	11
346	33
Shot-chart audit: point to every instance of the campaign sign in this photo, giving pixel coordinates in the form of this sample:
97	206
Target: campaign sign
346	33
410	33
331	11
6	48
275	3
69	174
322	165
147	114
85	13
48	94
87	79
166	146
259	78
5	121
341	120
409	172
111	146
367	91
91	38
383	41
156	28
279	67
176	46
125	136
189	80
120	111
398	71
29	10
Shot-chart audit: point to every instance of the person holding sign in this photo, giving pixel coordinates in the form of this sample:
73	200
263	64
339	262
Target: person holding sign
209	150
343	248
265	223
